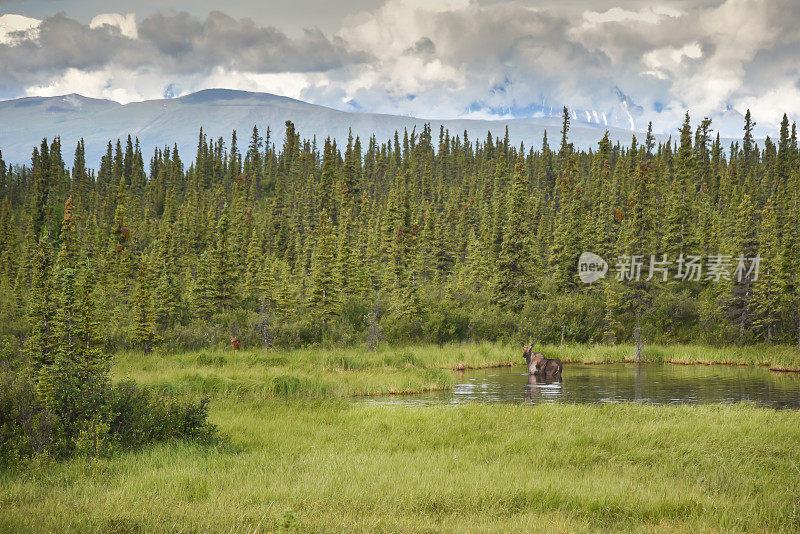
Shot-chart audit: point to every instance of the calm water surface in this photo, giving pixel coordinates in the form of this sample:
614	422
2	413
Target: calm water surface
649	383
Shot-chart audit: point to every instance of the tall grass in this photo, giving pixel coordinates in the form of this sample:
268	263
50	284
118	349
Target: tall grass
318	373
297	452
779	357
336	466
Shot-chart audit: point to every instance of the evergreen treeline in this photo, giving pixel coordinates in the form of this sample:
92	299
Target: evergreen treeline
426	236
60	401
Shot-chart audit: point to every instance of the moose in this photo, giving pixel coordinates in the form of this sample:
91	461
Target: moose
541	366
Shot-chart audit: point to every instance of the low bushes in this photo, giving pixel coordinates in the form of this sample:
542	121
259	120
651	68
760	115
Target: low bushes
131	416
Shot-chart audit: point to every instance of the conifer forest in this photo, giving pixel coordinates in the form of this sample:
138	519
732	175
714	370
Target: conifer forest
284	241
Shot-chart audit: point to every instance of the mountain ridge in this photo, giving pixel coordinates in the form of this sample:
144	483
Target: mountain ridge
24	122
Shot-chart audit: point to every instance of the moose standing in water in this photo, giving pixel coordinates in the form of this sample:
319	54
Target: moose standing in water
539	365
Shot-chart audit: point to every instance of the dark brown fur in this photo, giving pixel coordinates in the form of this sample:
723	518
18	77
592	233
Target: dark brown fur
540	365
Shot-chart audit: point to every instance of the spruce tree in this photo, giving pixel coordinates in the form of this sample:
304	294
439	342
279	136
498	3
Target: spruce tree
40	344
203	292
74	385
568	235
678	222
324	296
766	301
143	334
514	278
224	277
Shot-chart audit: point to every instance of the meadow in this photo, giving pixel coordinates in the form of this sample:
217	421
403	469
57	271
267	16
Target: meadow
298	454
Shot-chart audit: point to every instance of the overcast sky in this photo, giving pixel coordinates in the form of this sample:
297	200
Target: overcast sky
619	61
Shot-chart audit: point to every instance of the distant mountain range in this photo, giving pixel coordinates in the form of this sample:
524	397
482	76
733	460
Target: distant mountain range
25	121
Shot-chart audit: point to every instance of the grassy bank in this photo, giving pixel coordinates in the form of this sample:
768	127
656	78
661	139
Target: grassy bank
349	468
322	373
777	357
296	452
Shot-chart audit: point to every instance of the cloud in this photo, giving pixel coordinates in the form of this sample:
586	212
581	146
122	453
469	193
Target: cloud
16	28
713	58
161	45
650	15
190	44
126	24
117	84
612	63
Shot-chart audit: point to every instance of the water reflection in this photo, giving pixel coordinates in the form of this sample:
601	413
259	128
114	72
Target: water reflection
649	383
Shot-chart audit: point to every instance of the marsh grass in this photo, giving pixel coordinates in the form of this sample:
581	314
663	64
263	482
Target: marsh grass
318	373
340	467
778	357
309	373
299	455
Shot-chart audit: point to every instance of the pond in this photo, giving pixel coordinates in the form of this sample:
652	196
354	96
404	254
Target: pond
649	383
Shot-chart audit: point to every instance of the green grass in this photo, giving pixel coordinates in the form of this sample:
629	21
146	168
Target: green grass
349	468
780	357
322	373
296	451
317	373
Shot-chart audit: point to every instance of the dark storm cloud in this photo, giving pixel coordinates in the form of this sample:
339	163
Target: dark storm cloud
191	44
178	43
62	43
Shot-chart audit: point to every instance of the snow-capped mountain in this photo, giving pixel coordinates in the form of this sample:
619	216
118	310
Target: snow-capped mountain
25	121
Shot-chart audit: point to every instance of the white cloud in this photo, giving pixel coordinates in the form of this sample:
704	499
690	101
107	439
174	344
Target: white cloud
649	15
125	85
665	62
119	85
10	24
775	102
457	58
735	32
126	24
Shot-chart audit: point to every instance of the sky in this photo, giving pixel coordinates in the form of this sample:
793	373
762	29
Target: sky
620	63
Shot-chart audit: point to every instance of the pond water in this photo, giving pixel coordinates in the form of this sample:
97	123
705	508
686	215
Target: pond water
649	383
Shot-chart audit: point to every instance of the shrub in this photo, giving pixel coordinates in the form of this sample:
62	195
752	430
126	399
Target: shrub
580	317
491	324
445	323
139	418
401	330
25	427
672	317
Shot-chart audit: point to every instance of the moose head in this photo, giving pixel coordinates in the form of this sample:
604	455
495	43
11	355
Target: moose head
527	351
